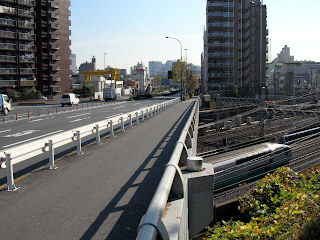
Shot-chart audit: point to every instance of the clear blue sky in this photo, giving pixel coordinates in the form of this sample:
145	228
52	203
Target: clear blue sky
131	31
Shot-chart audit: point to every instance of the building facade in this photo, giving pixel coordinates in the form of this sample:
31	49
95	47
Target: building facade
235	45
35	45
53	46
17	44
139	73
73	66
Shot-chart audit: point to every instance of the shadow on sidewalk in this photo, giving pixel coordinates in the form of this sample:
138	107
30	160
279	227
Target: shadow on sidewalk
127	224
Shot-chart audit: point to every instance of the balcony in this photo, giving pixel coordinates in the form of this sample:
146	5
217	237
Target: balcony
7	34
28	48
8	71
54	5
28	58
221	4
54	15
27	71
7	22
8	83
8	46
8	10
221	14
27	83
56	78
27	36
29	3
26	24
56	68
5	58
55	37
55	57
56	89
55	26
55	47
25	13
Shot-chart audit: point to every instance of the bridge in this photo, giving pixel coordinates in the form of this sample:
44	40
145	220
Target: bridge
134	174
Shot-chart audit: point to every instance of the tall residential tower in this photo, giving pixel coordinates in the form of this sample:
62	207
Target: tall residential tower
235	45
35	45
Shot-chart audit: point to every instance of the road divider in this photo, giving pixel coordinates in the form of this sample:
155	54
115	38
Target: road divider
51	141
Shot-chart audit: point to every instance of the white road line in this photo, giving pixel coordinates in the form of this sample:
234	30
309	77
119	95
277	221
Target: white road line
30	139
118	107
114	115
36	120
77	120
79	115
5	131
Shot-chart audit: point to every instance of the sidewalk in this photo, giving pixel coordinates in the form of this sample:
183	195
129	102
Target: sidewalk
100	195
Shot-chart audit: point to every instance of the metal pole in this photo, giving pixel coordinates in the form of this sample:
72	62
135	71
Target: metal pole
51	156
79	151
111	129
98	142
181	93
10	179
130	120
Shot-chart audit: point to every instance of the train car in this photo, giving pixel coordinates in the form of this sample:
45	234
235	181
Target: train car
247	164
290	138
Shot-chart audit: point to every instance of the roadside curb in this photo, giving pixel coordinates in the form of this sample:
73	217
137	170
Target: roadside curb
31	103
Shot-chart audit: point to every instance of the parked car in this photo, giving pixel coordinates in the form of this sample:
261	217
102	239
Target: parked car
5	104
69	99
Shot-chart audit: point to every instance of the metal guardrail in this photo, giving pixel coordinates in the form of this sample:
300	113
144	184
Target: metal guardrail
14	155
172	185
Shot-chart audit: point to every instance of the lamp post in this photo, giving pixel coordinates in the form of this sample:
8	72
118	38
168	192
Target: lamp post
104	66
186	56
181	93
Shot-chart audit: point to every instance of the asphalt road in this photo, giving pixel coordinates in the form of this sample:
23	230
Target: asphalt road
100	195
55	119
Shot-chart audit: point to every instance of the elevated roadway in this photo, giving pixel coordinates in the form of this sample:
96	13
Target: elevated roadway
99	195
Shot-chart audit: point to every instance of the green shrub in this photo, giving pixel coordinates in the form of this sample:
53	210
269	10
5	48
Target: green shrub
283	206
85	91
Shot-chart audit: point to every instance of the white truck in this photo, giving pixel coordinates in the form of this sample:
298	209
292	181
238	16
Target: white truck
109	94
5	104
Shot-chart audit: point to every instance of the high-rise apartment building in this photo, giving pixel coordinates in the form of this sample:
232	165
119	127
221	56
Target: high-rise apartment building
235	45
35	45
53	46
17	43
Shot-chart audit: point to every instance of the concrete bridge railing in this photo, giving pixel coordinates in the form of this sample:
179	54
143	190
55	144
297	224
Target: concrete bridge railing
176	210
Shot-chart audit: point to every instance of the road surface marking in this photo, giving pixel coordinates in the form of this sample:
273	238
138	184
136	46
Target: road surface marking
79	115
118	107
114	115
77	120
10	145
5	131
20	134
36	120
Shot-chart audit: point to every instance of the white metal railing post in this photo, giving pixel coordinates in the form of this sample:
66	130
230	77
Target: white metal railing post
137	118
142	112
111	129
122	124
151	112
51	156
98	141
130	120
10	180
79	151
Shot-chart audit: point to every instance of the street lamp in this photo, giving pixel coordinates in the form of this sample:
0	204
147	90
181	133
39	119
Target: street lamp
104	69
181	93
186	56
